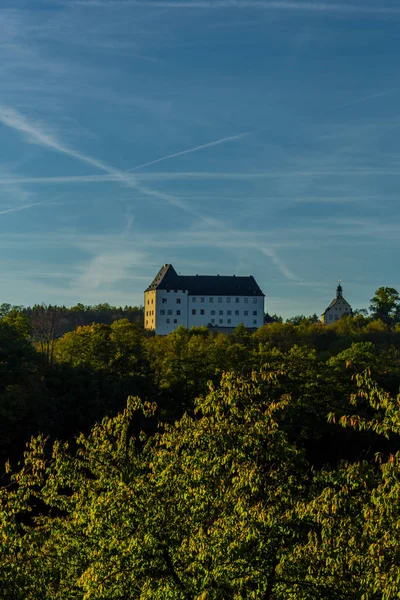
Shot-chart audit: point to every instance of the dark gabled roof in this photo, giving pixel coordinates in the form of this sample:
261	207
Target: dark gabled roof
211	285
220	285
334	302
165	279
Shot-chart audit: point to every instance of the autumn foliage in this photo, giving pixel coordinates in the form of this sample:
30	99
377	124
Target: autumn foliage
200	466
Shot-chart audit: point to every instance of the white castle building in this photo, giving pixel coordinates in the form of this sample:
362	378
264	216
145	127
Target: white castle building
337	308
195	300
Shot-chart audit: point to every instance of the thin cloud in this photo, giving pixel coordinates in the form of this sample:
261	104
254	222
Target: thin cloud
38	134
18	208
26	206
272	255
358	100
230	138
59	179
192	175
285	5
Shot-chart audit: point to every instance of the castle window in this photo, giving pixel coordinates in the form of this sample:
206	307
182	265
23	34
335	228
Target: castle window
178	312
202	299
213	312
211	300
168	320
254	321
193	298
228	312
212	320
254	313
246	312
178	300
221	321
175	320
221	312
229	321
236	312
169	312
164	300
237	300
202	311
193	311
162	312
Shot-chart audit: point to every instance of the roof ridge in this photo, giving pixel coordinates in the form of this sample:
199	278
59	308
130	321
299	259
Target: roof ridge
228	285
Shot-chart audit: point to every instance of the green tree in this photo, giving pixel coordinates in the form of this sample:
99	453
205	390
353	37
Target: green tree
19	321
46	327
90	346
218	505
385	305
19	383
204	510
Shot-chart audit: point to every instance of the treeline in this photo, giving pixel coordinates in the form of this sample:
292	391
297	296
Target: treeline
280	482
65	319
62	385
259	466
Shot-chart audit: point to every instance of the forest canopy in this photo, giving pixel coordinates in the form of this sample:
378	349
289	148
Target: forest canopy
199	465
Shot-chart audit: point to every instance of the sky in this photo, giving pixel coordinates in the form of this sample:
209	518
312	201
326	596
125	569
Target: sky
226	136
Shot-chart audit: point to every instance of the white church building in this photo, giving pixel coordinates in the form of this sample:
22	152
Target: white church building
339	307
216	301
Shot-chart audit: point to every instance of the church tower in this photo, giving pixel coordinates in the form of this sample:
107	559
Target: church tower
339	307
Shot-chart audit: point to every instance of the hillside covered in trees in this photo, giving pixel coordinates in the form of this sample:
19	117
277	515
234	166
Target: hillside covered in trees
199	465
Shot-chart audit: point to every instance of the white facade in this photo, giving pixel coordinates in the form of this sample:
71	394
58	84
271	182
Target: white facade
339	307
179	308
167	309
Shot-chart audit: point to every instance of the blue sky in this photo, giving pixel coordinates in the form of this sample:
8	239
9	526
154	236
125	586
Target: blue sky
223	137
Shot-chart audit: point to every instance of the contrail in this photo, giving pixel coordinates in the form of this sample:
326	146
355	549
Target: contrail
43	137
25	206
230	138
37	134
289	5
359	100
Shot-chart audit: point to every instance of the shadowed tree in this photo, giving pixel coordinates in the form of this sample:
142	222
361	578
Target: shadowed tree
385	305
46	326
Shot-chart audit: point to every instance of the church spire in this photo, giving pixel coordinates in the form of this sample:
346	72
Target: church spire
339	289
